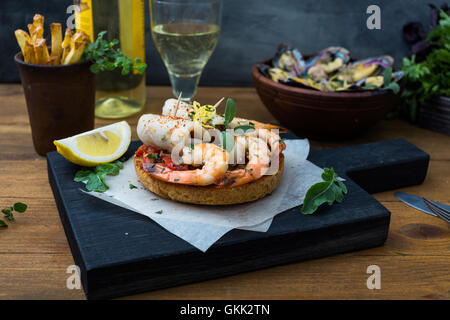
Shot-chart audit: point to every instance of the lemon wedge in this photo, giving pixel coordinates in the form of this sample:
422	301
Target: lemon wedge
98	146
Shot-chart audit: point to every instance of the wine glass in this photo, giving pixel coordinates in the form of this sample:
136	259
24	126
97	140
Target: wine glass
185	33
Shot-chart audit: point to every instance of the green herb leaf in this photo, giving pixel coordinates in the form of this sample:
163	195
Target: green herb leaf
230	112
132	186
370	86
429	78
328	174
82	175
387	77
106	58
96	177
95	183
159	212
3	224
227	141
9	213
244	129
394	87
120	162
108	168
328	191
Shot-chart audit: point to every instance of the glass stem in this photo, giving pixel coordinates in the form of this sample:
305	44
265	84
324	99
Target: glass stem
186	84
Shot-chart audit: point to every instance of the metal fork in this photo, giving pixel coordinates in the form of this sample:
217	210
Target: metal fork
439	211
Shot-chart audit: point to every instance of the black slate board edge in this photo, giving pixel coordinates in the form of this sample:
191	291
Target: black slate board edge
238	251
243	262
76	253
394	174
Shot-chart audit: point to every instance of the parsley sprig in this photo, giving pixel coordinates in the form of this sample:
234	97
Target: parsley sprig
96	177
106	57
330	190
431	77
9	212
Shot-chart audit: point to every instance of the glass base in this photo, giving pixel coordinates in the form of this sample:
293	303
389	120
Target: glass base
187	85
117	108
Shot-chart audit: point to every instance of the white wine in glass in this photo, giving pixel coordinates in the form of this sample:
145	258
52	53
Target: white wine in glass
185	34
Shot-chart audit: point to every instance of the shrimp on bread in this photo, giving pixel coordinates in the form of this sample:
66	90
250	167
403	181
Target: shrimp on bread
175	166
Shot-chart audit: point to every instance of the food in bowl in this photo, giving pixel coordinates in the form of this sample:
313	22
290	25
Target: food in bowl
332	69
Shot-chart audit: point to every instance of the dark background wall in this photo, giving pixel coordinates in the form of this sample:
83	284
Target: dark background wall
251	31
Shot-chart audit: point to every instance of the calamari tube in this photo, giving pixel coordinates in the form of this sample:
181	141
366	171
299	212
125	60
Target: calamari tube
184	109
165	132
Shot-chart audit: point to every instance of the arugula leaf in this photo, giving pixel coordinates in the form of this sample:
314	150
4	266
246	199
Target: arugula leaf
328	191
106	58
230	112
3	224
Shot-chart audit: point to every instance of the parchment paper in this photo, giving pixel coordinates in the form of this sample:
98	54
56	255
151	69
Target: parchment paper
202	226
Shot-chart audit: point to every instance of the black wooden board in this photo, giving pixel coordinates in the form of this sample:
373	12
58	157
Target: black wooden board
115	264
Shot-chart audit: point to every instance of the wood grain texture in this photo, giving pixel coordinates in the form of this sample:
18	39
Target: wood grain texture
34	253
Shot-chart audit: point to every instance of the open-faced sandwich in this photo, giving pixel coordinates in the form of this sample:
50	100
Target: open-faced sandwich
192	154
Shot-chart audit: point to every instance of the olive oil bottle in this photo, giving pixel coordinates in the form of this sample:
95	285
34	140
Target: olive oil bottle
117	96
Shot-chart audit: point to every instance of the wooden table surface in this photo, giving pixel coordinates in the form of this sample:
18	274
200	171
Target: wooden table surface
414	262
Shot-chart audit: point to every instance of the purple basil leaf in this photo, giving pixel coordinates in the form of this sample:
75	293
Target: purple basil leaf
434	15
413	32
421	50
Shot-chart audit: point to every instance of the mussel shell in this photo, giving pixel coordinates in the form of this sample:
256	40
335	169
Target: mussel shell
382	61
398	75
264	69
289	68
289	59
328	55
277	74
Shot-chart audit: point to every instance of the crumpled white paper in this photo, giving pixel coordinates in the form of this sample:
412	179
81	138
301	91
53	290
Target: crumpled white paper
202	226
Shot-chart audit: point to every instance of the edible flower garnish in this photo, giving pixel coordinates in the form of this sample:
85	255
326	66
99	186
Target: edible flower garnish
203	114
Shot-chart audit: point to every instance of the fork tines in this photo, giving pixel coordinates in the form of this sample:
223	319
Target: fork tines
440	212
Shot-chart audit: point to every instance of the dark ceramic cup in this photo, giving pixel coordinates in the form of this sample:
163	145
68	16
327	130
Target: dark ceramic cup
60	101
